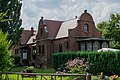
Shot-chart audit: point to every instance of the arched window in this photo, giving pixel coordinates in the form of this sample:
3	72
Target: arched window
86	27
104	45
96	46
89	46
82	46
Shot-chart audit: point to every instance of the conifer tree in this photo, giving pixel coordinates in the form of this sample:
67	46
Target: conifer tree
12	8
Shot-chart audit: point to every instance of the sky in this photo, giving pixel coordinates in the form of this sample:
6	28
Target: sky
62	10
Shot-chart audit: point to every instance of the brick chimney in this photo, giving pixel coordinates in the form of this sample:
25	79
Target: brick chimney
85	11
32	31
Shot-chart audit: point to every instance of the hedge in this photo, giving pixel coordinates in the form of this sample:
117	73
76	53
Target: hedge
106	62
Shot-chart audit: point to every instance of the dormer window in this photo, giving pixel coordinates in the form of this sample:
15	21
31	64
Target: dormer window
45	29
86	27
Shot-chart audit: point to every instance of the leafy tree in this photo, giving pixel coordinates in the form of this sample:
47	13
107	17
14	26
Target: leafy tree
102	27
111	29
12	9
5	53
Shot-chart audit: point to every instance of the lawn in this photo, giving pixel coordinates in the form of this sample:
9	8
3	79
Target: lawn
14	77
38	70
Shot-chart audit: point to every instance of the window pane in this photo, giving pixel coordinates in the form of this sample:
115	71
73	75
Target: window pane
85	27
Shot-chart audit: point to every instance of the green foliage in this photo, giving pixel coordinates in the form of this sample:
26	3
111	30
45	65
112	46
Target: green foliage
106	62
17	60
12	9
111	29
5	53
29	69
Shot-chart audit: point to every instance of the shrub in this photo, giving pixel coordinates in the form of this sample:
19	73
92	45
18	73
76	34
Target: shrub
78	66
17	60
5	53
106	62
29	69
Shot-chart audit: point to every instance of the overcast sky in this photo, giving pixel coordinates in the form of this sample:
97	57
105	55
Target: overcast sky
32	10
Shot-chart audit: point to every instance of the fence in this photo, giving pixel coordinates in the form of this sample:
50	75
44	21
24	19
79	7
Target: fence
34	76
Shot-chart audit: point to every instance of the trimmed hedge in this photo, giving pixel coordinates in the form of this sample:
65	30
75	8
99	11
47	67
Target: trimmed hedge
106	62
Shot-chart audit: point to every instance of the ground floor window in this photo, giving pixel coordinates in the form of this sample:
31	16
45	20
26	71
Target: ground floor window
24	54
82	45
96	45
104	45
41	49
60	47
88	46
16	51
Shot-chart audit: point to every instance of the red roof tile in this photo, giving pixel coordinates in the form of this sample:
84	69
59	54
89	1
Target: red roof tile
53	27
26	34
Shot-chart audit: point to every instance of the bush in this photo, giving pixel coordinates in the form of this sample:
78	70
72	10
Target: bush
78	66
17	59
106	62
29	69
5	53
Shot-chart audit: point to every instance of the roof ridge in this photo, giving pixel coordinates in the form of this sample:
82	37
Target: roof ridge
70	19
52	20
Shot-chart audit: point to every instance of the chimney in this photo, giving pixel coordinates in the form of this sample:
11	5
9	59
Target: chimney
85	11
41	18
76	17
32	31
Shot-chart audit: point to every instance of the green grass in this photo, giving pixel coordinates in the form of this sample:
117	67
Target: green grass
38	70
17	69
45	70
14	77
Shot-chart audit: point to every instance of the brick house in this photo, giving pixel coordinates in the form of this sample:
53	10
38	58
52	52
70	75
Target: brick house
78	34
26	47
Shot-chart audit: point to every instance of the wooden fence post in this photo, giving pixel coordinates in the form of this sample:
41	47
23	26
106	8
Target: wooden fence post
88	76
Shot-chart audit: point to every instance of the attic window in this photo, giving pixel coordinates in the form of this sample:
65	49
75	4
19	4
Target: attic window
45	29
86	27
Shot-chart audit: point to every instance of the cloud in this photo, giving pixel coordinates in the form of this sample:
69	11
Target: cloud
32	10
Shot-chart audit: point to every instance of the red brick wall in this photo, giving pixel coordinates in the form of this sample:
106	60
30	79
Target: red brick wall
79	30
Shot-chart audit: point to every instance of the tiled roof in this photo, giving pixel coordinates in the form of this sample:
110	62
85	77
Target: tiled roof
25	36
65	26
53	27
32	39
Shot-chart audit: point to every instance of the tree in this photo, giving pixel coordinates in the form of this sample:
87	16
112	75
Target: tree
12	9
102	27
5	53
111	29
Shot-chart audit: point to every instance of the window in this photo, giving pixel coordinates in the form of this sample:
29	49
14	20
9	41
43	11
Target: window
104	45
45	29
39	51
85	27
43	49
16	51
82	44
96	46
24	54
89	46
60	48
